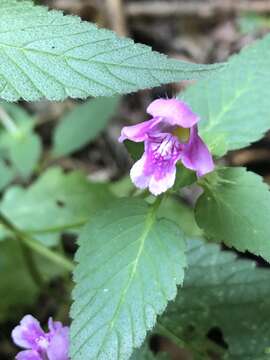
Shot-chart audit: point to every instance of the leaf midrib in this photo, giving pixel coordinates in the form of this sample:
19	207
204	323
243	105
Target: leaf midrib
180	68
149	221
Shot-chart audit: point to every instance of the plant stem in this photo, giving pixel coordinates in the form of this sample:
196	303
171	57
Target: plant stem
7	122
49	254
35	245
30	262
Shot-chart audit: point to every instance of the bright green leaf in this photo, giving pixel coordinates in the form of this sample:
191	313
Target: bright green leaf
221	291
55	202
46	54
121	285
82	125
236	209
233	105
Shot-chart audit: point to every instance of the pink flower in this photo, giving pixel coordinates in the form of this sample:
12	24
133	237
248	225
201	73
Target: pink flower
39	345
170	136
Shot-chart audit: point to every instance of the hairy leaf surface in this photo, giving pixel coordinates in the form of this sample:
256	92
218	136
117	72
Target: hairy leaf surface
221	291
233	104
236	210
121	285
45	54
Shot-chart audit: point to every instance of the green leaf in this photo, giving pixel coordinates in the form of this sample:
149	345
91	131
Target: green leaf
174	209
7	174
46	54
121	285
16	286
233	105
221	291
251	23
235	209
135	149
20	145
25	152
82	125
16	112
55	202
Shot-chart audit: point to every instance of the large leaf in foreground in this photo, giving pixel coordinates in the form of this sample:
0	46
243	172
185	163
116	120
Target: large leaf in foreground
46	54
129	264
221	291
233	105
55	202
235	209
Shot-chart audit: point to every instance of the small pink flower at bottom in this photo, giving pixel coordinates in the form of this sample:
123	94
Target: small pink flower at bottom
38	344
170	136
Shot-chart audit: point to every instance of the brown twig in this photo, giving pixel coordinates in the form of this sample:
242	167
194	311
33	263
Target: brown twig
195	8
116	16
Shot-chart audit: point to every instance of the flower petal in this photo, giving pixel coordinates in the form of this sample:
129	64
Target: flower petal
25	334
54	326
137	174
159	186
140	131
58	347
196	155
175	112
28	355
156	169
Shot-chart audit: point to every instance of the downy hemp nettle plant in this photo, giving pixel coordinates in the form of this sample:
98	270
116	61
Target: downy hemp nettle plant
147	263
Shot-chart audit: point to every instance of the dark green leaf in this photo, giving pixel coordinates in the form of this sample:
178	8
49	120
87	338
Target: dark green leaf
17	288
236	210
221	291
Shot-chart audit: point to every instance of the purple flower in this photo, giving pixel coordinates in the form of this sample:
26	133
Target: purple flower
170	136
40	345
